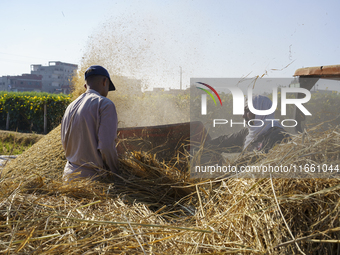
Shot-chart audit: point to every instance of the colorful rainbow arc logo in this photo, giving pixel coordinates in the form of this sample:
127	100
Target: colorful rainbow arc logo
208	92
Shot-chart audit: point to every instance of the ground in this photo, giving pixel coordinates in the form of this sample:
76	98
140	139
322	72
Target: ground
13	143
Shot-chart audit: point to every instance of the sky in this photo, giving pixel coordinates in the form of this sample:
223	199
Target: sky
213	39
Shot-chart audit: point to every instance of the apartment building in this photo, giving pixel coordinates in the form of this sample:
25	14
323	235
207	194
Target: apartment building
56	77
25	82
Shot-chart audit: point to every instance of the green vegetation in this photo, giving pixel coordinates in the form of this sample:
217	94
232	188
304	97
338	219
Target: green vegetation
26	110
13	143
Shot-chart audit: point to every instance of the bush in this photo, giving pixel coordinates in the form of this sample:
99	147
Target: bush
26	110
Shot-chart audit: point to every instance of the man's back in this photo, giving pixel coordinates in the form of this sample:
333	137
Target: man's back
88	133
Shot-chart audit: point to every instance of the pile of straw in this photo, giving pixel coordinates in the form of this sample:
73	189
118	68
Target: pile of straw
155	208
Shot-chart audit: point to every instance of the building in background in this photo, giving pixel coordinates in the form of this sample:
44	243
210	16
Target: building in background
25	82
56	77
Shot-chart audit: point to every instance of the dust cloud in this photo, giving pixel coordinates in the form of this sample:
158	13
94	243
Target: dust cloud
140	54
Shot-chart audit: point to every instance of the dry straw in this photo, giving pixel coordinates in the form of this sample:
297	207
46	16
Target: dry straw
153	207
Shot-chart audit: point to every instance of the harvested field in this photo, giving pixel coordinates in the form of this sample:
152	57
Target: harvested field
155	208
15	142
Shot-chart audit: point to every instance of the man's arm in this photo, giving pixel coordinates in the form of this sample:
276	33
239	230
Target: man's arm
107	133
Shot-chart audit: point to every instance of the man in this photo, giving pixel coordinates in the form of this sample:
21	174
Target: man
89	129
258	136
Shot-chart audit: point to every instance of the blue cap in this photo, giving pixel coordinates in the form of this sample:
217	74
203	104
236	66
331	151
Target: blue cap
99	70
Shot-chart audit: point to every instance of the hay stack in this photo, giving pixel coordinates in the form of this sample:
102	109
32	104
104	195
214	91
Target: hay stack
45	158
154	208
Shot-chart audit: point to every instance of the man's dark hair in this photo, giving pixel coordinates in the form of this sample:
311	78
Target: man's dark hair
94	79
